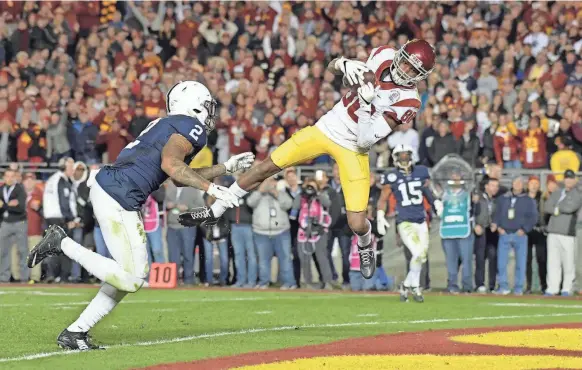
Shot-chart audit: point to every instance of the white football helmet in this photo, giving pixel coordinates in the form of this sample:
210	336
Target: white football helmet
402	157
192	99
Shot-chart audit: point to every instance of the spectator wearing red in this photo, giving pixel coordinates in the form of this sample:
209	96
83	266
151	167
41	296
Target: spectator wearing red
265	136
115	140
506	145
241	133
556	76
533	145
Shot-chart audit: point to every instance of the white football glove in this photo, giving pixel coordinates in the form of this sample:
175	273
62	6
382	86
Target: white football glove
366	93
352	69
239	162
382	222
438	207
224	194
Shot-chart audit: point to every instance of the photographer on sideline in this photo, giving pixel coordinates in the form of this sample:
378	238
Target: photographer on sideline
314	220
271	232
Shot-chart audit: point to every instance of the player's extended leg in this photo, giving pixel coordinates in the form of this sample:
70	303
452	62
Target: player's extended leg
124	235
306	144
415	238
354	171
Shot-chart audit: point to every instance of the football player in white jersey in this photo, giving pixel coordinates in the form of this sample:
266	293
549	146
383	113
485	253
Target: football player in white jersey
347	133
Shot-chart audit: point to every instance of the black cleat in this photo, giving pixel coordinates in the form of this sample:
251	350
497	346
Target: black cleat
201	216
417	295
50	245
367	261
403	293
75	341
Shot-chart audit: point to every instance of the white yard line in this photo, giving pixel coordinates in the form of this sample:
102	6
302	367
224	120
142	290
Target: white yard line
288	328
367	315
548	305
263	312
38	292
203	300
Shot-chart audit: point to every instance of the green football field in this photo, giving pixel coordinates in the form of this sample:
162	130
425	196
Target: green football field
165	326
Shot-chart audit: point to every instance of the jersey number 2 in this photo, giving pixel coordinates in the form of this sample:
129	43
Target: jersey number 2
411	193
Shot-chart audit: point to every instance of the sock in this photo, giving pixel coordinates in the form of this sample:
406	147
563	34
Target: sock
102	268
219	207
365	240
104	302
413	277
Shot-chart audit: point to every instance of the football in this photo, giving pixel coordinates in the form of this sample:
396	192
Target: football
368	77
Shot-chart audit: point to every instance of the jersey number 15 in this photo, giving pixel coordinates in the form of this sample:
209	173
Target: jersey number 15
411	193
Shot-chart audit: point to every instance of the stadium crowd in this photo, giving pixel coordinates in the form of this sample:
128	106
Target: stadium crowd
80	80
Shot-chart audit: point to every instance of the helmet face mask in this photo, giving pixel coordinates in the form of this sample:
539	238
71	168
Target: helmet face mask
412	63
210	120
402	158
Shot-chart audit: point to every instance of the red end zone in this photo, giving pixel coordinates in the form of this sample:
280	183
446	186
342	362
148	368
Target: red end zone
425	343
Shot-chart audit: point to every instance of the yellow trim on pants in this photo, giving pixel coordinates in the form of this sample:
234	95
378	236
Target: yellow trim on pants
310	143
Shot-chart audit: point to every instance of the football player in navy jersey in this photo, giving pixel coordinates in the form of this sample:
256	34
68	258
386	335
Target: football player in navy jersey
118	191
410	186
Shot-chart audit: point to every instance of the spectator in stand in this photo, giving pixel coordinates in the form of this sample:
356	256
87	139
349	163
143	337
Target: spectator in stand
444	143
34	218
469	145
533	154
56	136
83	134
180	239
563	206
506	144
485	239
271	232
536	238
115	140
564	159
575	78
13	227
515	216
139	121
310	210
427	138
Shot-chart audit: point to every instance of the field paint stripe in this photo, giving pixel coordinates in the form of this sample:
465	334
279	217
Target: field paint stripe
200	300
286	328
548	305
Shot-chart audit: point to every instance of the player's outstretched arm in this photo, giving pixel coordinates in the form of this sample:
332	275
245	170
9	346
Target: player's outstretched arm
173	154
239	162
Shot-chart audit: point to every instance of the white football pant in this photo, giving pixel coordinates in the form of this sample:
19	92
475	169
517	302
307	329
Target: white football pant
415	238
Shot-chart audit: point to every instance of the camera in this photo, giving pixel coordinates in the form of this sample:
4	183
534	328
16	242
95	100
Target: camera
309	191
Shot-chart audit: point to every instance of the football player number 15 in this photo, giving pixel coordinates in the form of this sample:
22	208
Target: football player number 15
411	193
194	133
